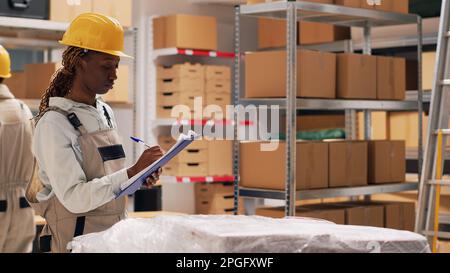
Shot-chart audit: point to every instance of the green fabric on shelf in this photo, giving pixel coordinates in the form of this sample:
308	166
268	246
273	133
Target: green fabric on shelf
318	135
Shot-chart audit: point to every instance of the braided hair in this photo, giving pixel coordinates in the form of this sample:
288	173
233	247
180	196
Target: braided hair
62	81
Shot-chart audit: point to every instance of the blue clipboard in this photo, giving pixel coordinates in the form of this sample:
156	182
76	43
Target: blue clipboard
135	183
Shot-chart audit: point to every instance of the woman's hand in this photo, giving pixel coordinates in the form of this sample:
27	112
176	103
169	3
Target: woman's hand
146	159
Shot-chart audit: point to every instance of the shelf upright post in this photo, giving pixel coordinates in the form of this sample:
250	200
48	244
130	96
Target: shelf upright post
236	95
350	115
367	113
420	93
291	103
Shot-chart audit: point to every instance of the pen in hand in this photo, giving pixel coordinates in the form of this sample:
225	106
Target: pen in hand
137	140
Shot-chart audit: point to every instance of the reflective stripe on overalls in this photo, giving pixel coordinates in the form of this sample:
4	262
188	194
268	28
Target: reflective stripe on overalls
103	154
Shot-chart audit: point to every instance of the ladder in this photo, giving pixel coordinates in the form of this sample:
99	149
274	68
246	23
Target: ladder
427	220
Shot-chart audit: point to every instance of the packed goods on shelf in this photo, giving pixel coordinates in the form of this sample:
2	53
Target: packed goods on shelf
327	75
181	84
35	79
393	215
323	165
216	198
201	158
185	31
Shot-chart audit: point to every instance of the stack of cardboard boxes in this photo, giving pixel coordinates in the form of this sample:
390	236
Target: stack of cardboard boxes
393	215
201	158
194	86
216	198
322	165
34	81
66	10
326	75
179	85
218	90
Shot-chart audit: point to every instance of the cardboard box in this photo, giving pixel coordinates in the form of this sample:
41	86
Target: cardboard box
387	163
185	31
269	171
216	205
399	215
175	98
316	122
38	78
348	164
218	86
356	76
316	74
348	3
206	191
190	155
428	70
399	6
335	215
178	112
391	78
186	169
443	246
66	10
119	9
405	126
272	33
166	142
220	99
186	70
180	85
220	158
17	84
119	93
217	72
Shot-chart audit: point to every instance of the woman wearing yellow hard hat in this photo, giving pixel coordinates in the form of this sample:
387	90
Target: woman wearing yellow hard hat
17	227
76	144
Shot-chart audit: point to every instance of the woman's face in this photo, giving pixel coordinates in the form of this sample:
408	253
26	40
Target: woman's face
98	72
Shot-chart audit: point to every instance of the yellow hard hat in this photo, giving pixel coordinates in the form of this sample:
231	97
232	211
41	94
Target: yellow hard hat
98	32
5	63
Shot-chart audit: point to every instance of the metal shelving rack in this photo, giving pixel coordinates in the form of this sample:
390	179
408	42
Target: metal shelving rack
337	15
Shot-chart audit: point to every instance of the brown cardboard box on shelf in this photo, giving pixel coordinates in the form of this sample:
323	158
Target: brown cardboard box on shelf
443	246
398	215
191	155
217	72
178	112
405	126
348	163
317	122
272	33
361	213
428	69
38	78
220	99
186	169
220	153
174	98
387	162
400	6
17	84
218	86
216	205
180	85
166	142
119	93
348	3
185	31
391	78
213	189
186	70
335	215
266	170
316	74
356	76
66	11
119	9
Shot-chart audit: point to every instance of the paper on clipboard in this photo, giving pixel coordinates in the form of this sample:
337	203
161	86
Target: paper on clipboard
134	183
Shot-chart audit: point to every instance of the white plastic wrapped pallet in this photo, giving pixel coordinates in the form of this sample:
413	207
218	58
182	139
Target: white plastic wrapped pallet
245	234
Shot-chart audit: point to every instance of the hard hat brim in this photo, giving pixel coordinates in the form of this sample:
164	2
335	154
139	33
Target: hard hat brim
7	76
110	52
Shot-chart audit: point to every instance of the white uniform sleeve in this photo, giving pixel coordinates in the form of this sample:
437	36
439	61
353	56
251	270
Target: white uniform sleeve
55	154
